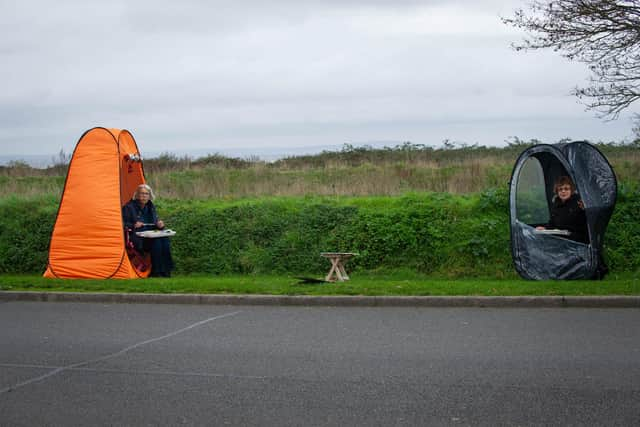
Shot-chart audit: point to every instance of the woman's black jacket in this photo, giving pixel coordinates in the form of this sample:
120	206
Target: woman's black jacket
132	212
569	216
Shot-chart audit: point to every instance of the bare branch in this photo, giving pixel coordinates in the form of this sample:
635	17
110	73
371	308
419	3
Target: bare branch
603	34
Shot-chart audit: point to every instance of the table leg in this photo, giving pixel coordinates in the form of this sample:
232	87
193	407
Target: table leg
336	268
345	276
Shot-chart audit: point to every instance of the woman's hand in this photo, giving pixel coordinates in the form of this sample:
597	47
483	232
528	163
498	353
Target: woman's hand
138	224
160	224
540	227
581	204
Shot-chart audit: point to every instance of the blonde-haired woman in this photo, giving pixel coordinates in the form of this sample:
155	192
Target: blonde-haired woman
139	214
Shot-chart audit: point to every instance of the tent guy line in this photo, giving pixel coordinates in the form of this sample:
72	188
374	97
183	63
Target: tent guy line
116	354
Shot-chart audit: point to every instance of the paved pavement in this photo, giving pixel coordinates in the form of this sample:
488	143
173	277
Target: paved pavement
67	363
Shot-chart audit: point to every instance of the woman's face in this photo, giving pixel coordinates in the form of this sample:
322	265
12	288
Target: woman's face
564	192
143	196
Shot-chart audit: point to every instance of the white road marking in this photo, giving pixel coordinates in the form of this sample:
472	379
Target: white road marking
137	371
112	355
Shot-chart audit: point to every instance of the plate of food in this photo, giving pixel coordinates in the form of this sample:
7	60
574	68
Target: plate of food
154	234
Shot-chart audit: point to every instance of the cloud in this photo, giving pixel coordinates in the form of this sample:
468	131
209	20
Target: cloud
254	73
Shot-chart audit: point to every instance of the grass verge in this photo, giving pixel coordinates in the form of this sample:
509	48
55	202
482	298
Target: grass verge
361	284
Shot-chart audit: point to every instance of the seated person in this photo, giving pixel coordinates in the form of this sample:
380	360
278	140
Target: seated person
139	214
567	211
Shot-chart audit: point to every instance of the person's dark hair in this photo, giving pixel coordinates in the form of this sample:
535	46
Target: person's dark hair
563	180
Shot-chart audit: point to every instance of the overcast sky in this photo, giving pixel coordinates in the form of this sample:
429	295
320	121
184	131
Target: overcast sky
252	76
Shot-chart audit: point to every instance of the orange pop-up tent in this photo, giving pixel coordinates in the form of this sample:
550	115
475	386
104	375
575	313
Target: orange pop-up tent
88	236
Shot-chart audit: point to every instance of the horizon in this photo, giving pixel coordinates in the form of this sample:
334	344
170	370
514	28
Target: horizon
271	154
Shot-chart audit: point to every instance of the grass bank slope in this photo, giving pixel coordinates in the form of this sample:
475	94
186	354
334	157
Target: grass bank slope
434	234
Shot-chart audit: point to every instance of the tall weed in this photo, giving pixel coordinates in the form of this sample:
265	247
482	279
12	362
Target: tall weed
353	171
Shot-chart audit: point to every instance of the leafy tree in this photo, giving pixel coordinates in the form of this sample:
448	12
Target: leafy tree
604	34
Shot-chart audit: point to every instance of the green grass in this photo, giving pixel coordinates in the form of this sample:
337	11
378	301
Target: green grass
360	284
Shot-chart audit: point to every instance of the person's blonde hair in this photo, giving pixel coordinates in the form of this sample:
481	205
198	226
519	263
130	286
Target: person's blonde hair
146	187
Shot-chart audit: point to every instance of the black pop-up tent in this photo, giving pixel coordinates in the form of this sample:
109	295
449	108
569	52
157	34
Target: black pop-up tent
542	256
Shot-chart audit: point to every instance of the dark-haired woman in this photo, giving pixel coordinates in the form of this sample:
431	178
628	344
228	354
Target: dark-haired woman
567	210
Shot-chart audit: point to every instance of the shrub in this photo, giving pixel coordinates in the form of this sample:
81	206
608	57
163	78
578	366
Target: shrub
25	229
435	233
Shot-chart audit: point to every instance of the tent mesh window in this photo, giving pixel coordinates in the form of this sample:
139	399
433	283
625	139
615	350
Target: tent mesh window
531	199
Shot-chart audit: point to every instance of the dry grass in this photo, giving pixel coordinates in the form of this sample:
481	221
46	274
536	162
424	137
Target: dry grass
354	172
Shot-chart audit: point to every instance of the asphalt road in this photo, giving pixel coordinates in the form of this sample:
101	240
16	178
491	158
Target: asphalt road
129	364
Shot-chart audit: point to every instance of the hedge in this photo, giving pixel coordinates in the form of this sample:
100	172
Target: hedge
433	233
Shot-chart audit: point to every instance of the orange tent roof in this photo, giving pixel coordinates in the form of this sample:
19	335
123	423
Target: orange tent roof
88	236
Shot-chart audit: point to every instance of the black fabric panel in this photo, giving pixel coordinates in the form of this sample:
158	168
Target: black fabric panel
546	257
598	186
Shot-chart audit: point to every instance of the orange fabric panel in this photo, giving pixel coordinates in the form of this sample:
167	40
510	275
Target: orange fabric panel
131	175
127	271
87	239
131	172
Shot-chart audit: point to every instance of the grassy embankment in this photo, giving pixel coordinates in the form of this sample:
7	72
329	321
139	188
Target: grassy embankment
418	217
